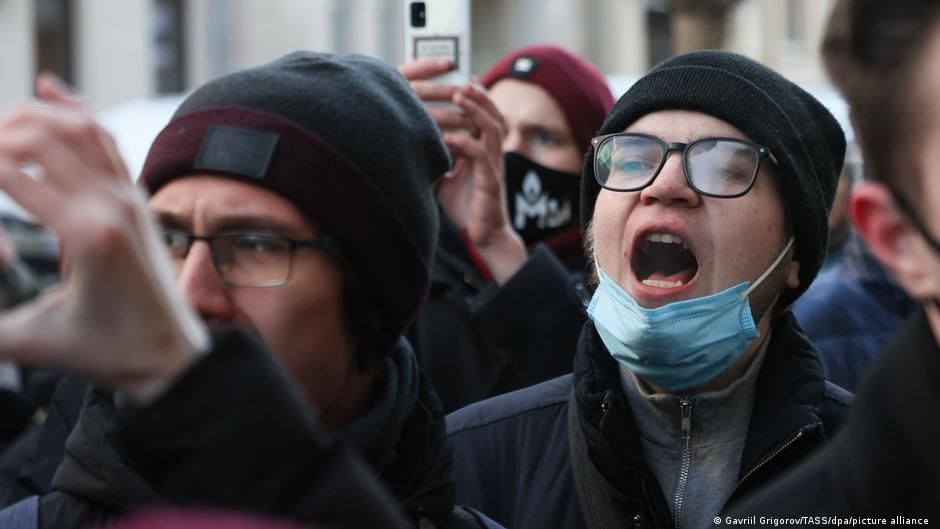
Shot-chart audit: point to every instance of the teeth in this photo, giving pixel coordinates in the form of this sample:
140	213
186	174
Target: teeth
667	238
662	284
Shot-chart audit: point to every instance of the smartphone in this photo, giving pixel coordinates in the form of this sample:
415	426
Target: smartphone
440	28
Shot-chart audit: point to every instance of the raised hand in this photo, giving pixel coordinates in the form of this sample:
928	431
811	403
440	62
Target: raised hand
116	316
473	193
486	211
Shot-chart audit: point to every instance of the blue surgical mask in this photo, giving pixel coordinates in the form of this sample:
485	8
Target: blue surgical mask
680	345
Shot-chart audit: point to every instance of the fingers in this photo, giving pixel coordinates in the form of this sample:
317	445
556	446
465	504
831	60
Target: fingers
460	164
476	93
57	136
118	167
424	68
36	197
51	89
487	175
447	118
463	146
484	115
437	98
434	91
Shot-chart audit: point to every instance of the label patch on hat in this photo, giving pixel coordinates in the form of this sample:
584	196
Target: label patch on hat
244	152
523	67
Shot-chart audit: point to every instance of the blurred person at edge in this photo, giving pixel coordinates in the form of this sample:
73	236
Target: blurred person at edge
507	292
854	307
705	199
264	284
884	57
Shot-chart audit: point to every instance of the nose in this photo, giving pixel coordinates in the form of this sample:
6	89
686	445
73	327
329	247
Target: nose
515	142
203	287
670	186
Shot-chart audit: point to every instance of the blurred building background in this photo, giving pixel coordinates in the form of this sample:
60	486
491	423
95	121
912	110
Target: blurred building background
116	51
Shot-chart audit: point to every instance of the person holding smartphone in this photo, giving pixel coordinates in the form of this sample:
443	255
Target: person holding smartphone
508	279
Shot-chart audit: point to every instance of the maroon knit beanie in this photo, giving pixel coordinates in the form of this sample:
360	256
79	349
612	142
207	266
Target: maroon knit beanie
578	87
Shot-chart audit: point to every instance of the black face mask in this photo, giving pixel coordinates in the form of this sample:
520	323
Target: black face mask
542	202
909	212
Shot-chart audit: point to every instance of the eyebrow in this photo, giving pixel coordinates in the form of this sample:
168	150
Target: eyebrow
551	129
231	223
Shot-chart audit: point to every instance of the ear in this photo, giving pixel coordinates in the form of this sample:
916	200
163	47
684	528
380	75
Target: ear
889	236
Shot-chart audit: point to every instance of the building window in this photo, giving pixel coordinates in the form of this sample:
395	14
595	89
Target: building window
169	46
54	38
659	23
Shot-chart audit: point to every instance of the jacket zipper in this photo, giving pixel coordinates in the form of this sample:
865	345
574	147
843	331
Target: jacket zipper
766	460
646	497
685	410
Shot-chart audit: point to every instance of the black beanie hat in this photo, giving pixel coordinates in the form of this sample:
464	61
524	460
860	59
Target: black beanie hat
344	139
805	138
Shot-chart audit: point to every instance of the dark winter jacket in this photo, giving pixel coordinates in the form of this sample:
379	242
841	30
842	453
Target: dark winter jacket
234	432
850	312
884	463
476	339
28	464
512	452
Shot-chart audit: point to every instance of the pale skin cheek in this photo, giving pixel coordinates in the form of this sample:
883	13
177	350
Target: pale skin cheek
749	240
312	348
304	332
609	235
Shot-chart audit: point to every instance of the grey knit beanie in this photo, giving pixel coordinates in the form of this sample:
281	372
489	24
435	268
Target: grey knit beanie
805	138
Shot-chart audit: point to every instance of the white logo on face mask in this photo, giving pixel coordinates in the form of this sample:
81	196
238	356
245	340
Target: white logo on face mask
532	203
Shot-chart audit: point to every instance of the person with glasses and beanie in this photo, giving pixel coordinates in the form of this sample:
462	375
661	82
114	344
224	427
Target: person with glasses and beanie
884	465
705	198
247	317
508	284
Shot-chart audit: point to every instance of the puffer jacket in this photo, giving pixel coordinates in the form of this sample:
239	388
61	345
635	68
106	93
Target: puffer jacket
512	457
850	312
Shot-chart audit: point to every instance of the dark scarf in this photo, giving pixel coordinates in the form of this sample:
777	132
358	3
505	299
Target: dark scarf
403	436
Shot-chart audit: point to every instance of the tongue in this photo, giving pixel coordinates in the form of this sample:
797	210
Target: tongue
683	275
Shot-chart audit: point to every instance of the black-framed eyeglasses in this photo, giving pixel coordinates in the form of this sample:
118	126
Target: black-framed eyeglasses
714	167
246	259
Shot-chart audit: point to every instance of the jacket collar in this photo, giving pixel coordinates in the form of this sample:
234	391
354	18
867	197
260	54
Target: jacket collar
93	467
403	436
789	394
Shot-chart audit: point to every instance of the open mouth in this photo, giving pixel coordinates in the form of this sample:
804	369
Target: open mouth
663	260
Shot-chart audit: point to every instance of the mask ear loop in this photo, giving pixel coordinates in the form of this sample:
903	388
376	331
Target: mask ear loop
769	270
